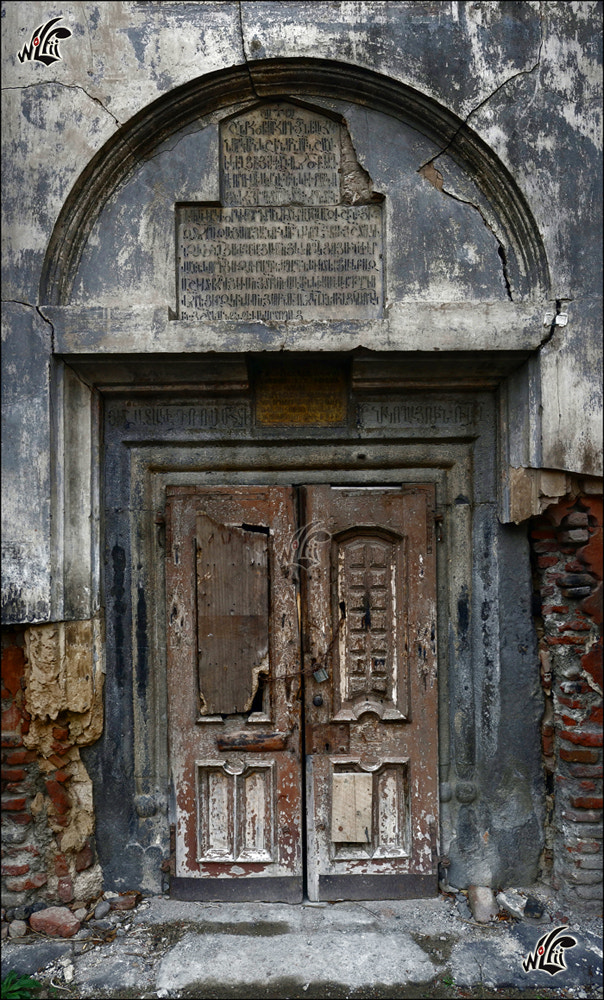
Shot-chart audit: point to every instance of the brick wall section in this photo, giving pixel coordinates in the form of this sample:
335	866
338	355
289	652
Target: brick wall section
567	555
34	800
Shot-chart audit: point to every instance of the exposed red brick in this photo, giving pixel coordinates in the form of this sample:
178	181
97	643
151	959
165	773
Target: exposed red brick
564	640
58	796
21	818
586	770
583	816
545	545
587	802
20	757
574	566
593	605
547	743
544	561
12	719
589	846
60	732
84	858
580	756
35	881
13	662
14	804
61	776
582	737
13	774
21	849
568	721
554	609
56	760
596	715
570	702
61	866
588	786
576	625
15	869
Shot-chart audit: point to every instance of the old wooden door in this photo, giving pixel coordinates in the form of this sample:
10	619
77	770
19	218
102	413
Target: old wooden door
371	708
357	571
234	693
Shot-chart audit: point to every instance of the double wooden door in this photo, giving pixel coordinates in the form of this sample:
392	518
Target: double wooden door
302	694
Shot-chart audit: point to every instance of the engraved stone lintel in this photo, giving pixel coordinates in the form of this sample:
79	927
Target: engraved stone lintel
233	417
391	413
280	264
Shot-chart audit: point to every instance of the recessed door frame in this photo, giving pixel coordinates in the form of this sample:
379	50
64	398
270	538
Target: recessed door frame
142	462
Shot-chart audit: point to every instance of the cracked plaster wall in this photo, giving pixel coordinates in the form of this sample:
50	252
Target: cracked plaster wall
525	76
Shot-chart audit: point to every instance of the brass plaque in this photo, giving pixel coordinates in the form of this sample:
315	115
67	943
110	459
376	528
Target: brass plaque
304	396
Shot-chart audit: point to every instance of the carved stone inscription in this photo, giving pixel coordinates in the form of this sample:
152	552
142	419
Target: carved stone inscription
185	417
281	264
388	413
280	155
283	248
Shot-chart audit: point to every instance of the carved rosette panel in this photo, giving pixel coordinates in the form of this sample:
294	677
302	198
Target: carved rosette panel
235	811
369	649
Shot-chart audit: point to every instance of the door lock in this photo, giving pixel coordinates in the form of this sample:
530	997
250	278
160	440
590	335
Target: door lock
317	700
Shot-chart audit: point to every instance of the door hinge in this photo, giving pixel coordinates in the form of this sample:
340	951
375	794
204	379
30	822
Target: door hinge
439	527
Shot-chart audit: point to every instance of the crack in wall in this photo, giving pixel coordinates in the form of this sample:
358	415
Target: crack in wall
489	97
430	173
244	51
51	325
29	305
434	176
68	86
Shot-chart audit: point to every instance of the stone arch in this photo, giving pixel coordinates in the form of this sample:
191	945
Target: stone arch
504	207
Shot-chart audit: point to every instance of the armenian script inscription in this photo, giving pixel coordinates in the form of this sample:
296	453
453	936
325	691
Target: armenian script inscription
282	247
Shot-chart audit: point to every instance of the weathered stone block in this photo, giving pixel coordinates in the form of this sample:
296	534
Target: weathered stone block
56	921
482	903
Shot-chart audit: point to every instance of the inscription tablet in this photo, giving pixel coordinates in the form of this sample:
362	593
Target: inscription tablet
283	247
309	396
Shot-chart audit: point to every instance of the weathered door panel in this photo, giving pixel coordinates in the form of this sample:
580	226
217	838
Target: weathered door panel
234	693
371	696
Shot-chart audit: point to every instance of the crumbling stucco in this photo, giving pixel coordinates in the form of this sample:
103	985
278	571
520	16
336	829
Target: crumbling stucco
63	696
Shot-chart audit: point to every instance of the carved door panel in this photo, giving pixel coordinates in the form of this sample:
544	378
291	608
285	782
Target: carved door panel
371	696
234	693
